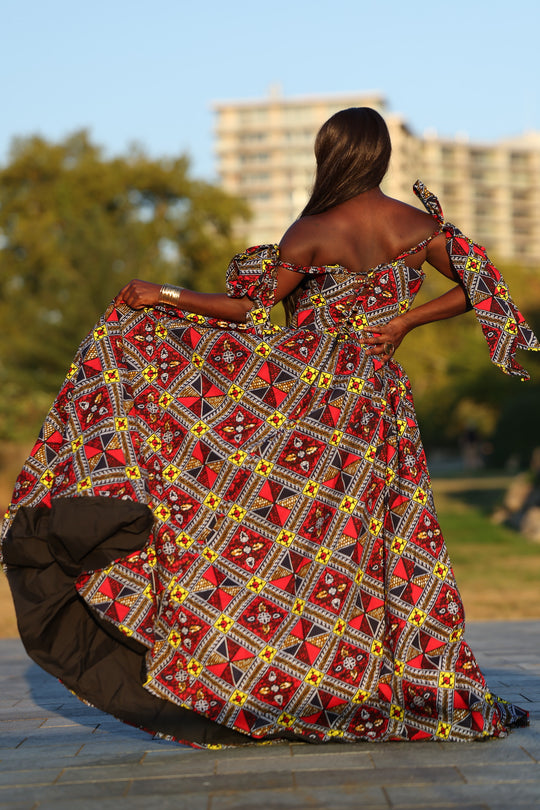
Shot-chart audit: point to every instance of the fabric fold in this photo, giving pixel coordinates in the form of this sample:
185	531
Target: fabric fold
63	636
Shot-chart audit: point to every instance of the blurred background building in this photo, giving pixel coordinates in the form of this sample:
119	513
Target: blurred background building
490	190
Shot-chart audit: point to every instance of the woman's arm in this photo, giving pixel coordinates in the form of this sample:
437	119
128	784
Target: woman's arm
139	294
386	340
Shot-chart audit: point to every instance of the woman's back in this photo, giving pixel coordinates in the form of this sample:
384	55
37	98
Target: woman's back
359	234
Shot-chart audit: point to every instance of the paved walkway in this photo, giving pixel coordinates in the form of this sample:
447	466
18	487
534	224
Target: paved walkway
57	753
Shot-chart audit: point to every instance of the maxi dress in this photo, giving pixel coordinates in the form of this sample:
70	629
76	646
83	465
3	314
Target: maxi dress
226	532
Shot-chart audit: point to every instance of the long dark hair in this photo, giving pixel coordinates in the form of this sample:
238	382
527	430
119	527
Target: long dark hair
353	151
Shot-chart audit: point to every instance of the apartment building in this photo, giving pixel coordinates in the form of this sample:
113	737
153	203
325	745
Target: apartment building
490	190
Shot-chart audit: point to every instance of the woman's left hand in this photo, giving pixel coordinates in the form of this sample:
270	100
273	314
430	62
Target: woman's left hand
139	294
385	341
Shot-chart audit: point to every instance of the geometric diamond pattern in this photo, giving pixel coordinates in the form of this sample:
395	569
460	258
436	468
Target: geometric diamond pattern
296	578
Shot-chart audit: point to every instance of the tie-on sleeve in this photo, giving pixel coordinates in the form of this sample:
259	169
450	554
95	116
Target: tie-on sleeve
504	327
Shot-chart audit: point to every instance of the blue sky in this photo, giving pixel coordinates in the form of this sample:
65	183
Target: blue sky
148	72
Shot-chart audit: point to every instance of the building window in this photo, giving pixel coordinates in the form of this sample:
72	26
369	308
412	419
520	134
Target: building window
251	137
484	193
252	114
482	210
480	156
518	159
255	157
252	178
298	114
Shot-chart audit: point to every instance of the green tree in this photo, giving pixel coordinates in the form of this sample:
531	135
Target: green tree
75	226
456	386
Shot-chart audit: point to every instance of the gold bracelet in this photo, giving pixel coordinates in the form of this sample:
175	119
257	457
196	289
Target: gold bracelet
170	295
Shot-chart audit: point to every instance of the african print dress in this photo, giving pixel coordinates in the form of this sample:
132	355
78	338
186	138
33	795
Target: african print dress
226	533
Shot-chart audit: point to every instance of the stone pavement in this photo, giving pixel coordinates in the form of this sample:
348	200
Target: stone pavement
55	752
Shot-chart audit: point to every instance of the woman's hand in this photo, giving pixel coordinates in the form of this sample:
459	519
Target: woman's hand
386	340
139	294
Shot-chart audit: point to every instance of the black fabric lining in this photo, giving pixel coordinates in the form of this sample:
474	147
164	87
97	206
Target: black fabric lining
44	552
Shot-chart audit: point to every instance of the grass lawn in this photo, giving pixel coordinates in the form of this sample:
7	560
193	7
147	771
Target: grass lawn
497	570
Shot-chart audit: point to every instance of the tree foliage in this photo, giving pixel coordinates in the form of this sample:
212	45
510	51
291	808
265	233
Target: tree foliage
75	226
456	387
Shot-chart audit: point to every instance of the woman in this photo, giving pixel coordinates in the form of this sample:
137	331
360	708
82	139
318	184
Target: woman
226	530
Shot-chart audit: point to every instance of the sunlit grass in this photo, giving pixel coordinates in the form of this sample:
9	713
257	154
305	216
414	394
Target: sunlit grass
497	569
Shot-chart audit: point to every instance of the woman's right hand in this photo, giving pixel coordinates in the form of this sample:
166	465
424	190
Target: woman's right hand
386	340
139	294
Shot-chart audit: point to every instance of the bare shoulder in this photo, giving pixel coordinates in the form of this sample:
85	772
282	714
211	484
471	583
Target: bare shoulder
298	244
410	222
